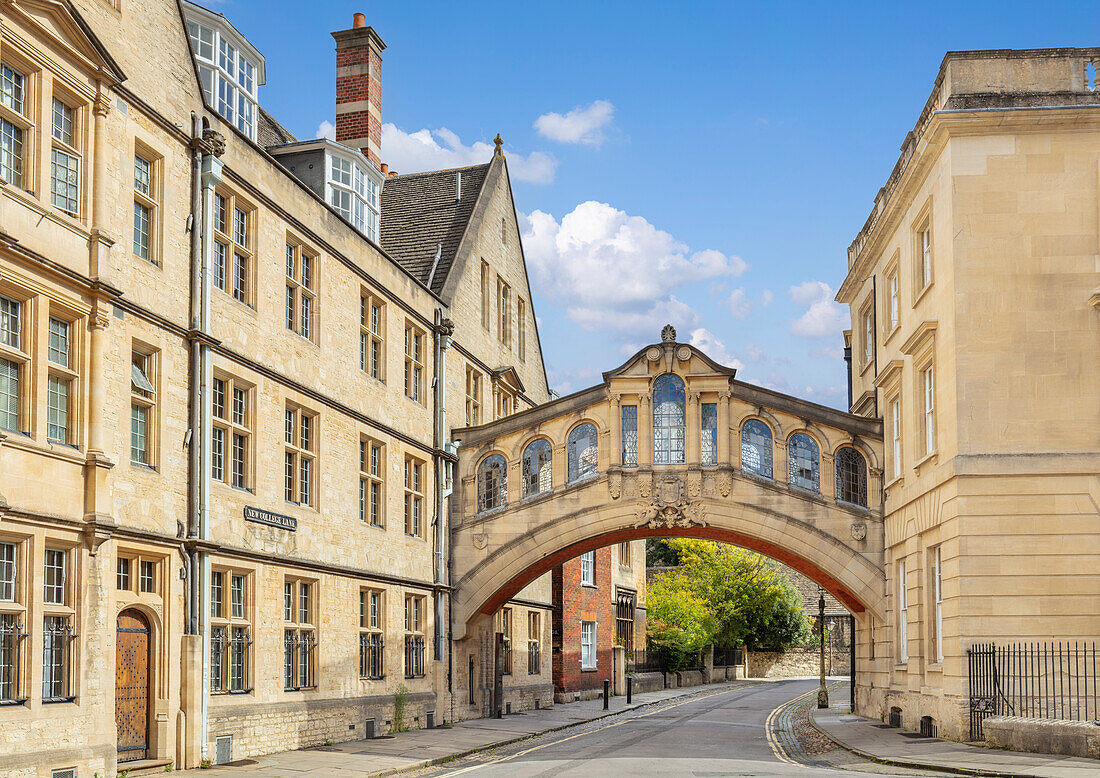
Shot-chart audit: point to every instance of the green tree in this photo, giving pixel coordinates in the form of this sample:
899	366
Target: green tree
680	624
749	598
658	553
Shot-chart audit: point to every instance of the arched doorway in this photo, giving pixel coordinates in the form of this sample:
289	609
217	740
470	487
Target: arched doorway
132	685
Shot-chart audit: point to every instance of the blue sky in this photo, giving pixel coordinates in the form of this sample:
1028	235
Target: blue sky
700	163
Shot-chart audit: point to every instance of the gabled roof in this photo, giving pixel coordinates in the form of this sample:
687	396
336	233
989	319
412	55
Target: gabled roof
424	215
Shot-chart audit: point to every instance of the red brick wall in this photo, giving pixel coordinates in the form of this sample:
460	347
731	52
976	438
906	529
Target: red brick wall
356	125
574	603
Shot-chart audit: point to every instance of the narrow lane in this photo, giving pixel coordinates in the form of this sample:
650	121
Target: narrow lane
714	735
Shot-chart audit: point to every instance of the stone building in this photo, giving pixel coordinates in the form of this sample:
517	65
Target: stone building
230	364
974	297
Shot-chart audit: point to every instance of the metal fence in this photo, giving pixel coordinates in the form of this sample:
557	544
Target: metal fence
1033	680
642	660
726	656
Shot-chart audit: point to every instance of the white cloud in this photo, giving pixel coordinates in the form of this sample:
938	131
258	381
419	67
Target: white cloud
426	149
738	303
754	353
581	125
613	271
709	344
326	129
828	352
766	297
823	316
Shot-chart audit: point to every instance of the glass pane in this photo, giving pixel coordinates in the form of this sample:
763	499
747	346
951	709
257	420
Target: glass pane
668	420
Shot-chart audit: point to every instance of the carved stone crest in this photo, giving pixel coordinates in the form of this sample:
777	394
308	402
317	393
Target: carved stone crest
614	484
725	484
481	540
695	483
670	508
859	530
668	334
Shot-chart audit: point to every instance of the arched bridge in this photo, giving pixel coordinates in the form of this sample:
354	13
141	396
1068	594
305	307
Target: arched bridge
669	444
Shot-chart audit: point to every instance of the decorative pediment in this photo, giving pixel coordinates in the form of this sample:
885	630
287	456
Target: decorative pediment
668	356
508	376
61	25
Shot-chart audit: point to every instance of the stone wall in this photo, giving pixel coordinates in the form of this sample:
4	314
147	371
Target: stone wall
1072	738
796	662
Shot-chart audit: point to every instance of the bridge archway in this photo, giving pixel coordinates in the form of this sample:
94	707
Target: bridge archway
619	469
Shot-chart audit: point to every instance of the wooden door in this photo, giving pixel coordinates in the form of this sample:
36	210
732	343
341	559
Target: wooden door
132	685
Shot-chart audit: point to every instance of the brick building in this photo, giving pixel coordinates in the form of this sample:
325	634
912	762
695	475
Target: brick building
599	602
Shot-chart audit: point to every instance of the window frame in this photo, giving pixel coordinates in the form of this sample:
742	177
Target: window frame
19	355
233	632
22	121
225	277
302	455
474	383
902	611
372	335
415	630
669	423
588	569
504	312
58	644
300	633
580	466
233	427
590	644
415	361
146	399
486	300
15	675
763	446
372	627
815	460
537	473
372	482
150	201
415	489
71	149
301	289
66	375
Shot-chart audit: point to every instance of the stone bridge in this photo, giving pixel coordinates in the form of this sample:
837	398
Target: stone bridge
670	444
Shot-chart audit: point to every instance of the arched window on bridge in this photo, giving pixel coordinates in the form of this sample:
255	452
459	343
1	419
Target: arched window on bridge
583	452
756	448
492	483
668	420
803	469
851	476
537	467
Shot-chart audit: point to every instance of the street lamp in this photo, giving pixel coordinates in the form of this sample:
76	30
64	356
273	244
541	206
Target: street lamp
822	692
831	625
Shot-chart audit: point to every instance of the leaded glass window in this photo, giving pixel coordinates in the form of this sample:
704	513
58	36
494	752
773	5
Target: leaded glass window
537	468
756	448
668	420
709	433
803	462
492	483
851	476
583	452
630	435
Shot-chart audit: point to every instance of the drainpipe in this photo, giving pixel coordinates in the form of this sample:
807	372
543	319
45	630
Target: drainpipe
874	334
444	328
211	176
195	421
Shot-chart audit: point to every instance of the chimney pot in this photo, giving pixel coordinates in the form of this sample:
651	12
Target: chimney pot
385	169
359	20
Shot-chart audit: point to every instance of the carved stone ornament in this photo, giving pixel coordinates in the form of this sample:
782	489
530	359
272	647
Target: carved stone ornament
668	334
213	142
644	487
725	484
695	483
615	484
670	508
859	530
446	327
653	355
683	354
481	540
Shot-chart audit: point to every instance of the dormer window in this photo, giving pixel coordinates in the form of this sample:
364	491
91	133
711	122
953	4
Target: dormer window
230	69
353	191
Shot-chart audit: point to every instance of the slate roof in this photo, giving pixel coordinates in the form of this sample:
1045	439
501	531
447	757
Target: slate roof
420	212
270	133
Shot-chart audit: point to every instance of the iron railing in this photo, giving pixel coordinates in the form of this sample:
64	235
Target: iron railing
726	656
414	656
506	657
11	656
1035	681
371	655
534	665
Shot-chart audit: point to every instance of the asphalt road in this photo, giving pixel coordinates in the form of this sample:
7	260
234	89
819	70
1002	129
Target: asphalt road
712	736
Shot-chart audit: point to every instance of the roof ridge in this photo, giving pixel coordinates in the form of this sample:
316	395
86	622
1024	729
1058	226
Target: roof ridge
444	170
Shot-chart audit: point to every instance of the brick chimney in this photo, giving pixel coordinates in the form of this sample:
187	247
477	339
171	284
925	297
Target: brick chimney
359	88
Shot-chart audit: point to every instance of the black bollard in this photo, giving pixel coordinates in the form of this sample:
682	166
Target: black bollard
606	693
629	688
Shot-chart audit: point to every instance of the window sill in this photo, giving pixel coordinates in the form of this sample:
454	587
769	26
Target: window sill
13	703
923	292
368	525
588	669
143	466
415	537
935	667
932	456
57	700
589	585
895	481
891	333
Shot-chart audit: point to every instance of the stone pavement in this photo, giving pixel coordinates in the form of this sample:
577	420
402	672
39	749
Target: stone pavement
422	747
862	737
